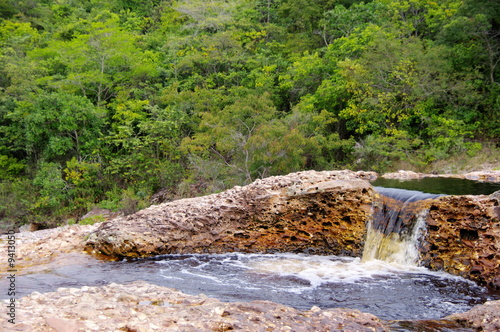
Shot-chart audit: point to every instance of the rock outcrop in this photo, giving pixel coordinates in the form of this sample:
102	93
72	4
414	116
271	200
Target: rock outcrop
484	318
314	212
142	307
463	237
36	249
485	176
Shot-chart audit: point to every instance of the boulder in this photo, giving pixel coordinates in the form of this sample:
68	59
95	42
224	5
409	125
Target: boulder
314	212
463	237
485	318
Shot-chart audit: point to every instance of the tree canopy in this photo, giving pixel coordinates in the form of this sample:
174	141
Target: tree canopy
106	103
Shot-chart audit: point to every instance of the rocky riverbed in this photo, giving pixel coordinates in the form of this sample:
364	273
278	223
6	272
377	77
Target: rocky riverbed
142	307
301	208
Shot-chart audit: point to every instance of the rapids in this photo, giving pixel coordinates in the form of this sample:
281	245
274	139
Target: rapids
387	290
386	281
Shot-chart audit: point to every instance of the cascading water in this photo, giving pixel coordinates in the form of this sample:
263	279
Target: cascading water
385	282
396	226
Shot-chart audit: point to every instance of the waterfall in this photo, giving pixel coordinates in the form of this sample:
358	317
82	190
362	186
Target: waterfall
398	220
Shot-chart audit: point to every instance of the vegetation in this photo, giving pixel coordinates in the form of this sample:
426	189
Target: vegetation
104	103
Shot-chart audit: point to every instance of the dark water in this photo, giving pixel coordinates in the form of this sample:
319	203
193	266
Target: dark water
446	186
405	195
389	291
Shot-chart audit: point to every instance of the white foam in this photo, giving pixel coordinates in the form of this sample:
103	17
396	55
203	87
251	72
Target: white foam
322	269
312	269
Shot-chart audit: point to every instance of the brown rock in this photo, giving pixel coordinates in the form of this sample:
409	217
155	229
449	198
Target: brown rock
463	238
484	317
317	212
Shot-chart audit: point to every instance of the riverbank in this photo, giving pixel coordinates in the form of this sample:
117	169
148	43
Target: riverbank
104	308
143	307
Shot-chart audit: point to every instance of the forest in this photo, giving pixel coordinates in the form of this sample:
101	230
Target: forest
106	103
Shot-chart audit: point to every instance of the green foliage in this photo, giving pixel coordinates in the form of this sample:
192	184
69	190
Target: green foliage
55	125
91	220
16	197
103	103
10	168
52	190
126	201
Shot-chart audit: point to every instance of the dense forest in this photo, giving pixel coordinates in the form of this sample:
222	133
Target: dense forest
105	103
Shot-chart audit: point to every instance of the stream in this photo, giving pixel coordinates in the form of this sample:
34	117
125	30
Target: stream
388	290
392	289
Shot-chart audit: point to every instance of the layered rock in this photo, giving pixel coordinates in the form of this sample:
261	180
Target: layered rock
144	307
463	237
315	212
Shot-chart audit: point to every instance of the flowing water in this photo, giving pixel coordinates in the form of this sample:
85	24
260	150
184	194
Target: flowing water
388	290
386	281
394	232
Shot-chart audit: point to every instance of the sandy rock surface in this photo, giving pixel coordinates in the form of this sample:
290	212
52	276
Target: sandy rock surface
44	246
487	176
484	318
315	212
143	307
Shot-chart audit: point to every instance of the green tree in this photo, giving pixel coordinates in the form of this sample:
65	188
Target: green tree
98	63
56	126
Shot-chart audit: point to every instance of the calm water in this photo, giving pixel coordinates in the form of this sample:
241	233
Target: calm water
447	186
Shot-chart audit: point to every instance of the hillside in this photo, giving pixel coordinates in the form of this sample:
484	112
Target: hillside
103	104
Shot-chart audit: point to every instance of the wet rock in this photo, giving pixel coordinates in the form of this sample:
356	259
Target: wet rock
485	318
156	308
486	176
463	237
322	212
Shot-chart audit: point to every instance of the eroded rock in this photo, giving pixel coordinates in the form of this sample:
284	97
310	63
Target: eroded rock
35	249
463	237
484	176
144	307
315	212
485	318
